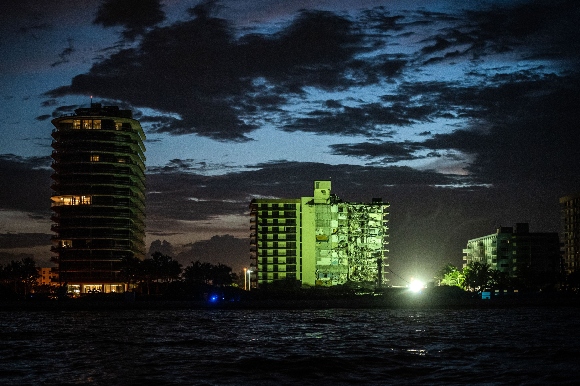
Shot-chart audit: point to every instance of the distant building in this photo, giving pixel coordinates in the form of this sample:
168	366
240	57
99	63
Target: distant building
98	202
47	276
570	210
517	251
319	240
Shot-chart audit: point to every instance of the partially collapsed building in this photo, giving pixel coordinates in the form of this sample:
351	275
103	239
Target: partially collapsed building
319	240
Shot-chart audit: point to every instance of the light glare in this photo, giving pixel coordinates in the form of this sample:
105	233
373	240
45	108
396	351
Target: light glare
416	285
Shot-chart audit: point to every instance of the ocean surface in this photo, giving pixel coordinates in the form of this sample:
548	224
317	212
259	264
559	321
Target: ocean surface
517	346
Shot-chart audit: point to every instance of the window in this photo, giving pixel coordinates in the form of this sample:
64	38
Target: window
94	158
71	200
76	124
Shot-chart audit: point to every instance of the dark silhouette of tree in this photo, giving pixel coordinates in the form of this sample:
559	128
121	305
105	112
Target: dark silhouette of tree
165	267
159	268
198	273
499	279
477	276
21	275
222	275
219	275
131	271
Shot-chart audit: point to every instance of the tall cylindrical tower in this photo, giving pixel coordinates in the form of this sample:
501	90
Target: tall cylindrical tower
98	202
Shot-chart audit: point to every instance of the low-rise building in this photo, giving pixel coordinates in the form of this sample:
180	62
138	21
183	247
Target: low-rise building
48	276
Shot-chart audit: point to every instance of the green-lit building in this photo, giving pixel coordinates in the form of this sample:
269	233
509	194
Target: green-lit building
319	240
517	252
98	200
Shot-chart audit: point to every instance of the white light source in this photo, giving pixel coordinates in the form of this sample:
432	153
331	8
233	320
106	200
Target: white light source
249	279
245	286
416	285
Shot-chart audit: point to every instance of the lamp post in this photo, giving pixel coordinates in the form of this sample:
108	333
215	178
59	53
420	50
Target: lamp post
245	288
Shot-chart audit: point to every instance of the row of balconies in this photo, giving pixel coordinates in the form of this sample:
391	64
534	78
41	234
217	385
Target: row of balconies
277	221
95	158
61	229
277	245
102	194
113	164
84	214
277	214
103	206
277	260
84	183
113	179
127	151
266	252
88	141
97	168
277	268
101	134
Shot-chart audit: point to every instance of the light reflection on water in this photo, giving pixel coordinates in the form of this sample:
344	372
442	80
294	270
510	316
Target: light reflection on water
341	346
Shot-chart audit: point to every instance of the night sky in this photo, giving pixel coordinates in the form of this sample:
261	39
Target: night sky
464	115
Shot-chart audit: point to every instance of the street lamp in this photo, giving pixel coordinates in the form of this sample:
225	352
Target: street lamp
249	279
245	269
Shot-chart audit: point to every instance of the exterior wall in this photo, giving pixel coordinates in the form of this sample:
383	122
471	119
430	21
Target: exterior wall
48	276
337	242
570	210
98	202
275	239
308	243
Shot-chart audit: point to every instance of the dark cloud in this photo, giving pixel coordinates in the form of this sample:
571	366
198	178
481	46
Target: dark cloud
27	184
350	120
7	257
532	29
22	240
394	151
205	75
224	249
188	196
134	15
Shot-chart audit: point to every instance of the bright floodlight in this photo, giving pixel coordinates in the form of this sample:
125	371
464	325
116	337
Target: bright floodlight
416	285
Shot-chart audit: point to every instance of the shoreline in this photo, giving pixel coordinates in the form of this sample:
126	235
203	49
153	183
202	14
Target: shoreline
406	301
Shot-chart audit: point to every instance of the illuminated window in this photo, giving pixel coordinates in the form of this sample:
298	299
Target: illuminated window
66	243
94	158
118	125
97	124
122	160
76	124
71	200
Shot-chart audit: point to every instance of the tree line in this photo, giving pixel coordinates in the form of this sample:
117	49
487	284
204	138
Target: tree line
18	277
477	276
159	275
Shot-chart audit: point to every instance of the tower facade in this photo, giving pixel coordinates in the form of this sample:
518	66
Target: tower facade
319	240
98	200
570	210
517	252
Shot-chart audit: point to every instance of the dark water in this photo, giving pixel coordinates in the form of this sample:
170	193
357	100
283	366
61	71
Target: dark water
535	346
